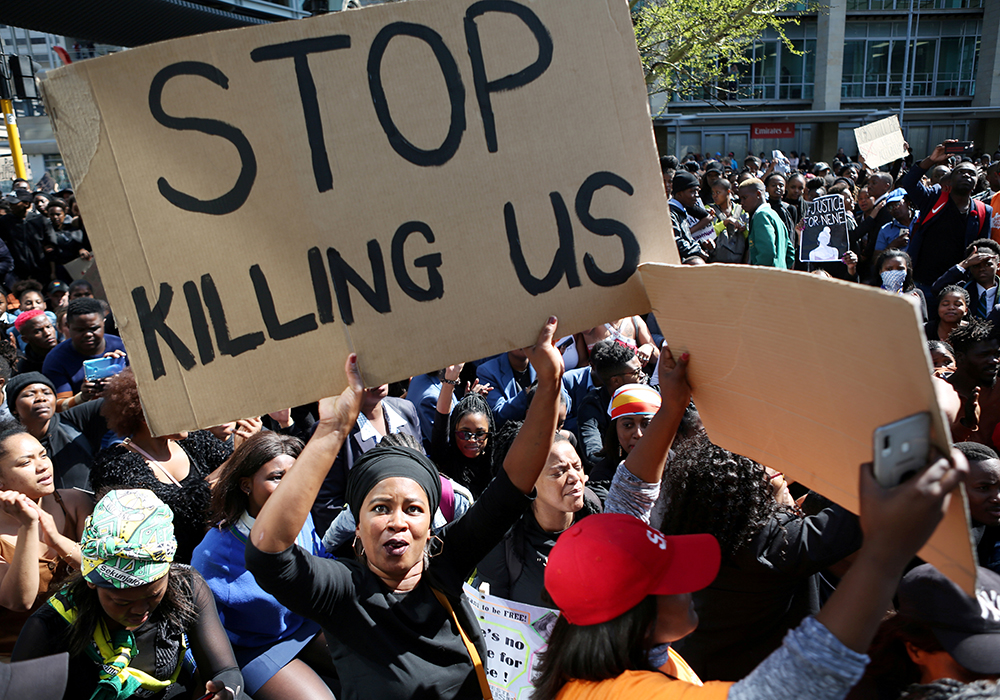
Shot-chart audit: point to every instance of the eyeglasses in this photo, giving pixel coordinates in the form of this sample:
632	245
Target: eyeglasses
637	376
469	435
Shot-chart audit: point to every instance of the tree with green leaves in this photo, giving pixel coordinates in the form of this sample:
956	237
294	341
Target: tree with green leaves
697	48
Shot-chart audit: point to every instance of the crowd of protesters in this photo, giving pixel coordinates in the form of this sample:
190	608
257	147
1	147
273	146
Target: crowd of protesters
320	551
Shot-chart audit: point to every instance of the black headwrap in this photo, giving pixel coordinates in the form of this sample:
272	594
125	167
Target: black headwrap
385	462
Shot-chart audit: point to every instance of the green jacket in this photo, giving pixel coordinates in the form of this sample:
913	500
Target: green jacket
769	242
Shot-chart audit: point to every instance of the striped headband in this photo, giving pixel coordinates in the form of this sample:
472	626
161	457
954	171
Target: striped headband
634	400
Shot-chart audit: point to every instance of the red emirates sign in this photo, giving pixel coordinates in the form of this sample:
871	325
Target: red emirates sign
772	131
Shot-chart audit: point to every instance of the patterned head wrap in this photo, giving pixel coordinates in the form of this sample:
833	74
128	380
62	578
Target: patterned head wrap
634	400
128	541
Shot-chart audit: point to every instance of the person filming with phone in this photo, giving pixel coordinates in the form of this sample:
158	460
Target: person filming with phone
64	365
950	220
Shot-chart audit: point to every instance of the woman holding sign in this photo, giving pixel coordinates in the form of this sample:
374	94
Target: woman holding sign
396	620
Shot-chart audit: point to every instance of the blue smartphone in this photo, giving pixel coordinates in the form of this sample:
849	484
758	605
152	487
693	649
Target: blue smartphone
102	367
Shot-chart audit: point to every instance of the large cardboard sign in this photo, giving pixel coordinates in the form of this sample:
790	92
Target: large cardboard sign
515	634
880	142
790	370
824	232
393	180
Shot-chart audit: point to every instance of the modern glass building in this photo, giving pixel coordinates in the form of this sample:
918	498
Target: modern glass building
933	63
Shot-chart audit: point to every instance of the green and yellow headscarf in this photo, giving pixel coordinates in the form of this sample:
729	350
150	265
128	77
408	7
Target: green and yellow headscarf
129	540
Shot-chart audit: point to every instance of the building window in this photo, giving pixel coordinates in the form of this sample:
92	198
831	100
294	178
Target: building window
916	4
942	60
57	171
772	71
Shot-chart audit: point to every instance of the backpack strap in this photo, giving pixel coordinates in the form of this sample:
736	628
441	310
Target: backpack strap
980	208
447	505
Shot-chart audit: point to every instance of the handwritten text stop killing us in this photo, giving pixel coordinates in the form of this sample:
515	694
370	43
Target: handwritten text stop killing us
419	276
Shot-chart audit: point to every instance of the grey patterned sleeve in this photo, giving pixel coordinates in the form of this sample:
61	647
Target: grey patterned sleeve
810	663
630	495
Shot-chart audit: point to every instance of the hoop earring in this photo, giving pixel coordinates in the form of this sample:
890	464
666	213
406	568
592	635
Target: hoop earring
434	544
359	547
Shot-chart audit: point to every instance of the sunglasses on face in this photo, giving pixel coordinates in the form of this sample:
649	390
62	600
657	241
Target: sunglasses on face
479	436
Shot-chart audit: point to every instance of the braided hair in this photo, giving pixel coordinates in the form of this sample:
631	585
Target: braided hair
476	473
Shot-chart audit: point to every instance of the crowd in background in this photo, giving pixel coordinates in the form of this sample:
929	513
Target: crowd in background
320	551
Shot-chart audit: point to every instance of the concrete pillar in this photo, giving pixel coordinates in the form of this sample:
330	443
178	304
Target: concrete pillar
830	56
988	76
824	141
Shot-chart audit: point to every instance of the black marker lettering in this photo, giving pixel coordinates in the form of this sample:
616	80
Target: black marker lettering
202	338
299	52
435	285
321	286
564	260
452	79
234	198
153	321
342	274
227	346
607	227
485	87
265	300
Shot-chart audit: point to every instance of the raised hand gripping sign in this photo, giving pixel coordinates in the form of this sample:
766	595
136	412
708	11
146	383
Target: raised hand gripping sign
423	183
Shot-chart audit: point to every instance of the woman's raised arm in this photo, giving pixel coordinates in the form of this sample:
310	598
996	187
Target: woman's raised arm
283	515
527	455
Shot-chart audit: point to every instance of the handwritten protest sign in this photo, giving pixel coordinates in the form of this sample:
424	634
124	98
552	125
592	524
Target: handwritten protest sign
775	387
824	234
515	633
7	171
880	142
392	180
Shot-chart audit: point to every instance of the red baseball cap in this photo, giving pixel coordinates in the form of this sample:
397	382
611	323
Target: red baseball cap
608	563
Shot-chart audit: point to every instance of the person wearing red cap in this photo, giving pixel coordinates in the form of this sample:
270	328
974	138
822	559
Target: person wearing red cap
638	593
39	335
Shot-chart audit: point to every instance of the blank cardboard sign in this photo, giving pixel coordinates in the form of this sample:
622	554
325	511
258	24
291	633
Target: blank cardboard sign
422	183
796	372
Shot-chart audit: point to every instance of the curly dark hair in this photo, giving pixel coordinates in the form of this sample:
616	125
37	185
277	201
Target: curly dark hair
608	358
987	243
83	306
716	491
975	331
974	452
228	499
122	408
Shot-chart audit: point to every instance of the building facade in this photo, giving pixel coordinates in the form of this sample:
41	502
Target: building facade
933	63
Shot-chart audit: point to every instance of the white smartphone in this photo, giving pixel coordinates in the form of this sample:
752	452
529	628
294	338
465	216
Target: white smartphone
901	449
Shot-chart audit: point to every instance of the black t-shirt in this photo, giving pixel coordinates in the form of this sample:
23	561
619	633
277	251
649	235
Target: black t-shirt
388	645
117	466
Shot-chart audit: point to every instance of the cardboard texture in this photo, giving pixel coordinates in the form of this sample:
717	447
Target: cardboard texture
790	370
880	142
824	233
263	201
